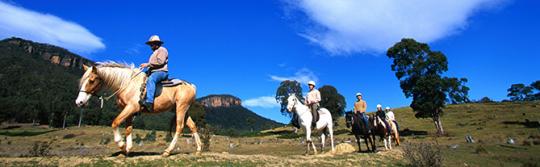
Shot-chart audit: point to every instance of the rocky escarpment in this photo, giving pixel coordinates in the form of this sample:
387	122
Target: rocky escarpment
220	101
51	53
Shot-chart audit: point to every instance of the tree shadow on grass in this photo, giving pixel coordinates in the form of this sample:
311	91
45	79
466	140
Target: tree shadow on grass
526	123
24	133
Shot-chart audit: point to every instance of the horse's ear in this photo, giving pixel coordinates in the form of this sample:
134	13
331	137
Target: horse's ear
94	69
85	67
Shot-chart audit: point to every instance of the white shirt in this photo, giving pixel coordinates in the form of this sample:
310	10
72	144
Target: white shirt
313	96
390	115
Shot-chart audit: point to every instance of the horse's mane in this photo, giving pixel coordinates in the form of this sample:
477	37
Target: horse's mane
114	64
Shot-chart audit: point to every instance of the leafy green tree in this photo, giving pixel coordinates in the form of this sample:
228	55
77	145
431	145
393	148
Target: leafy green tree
419	70
536	86
519	92
282	93
333	101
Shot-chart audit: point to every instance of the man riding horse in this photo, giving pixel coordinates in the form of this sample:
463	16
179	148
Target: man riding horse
360	108
157	70
391	117
382	115
312	100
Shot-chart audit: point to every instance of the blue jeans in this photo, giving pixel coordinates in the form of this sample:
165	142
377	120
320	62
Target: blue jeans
154	78
365	119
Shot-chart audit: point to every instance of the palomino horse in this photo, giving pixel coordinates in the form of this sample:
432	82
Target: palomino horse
126	81
305	118
360	131
378	128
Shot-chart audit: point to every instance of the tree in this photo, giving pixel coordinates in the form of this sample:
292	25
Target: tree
333	101
519	92
419	71
283	91
485	100
536	86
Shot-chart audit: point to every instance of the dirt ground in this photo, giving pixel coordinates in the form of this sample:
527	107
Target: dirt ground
86	146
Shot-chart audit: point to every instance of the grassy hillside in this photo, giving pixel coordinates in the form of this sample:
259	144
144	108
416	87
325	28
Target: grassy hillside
490	124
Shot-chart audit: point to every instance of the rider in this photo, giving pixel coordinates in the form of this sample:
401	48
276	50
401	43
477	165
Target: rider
360	108
157	69
391	117
312	100
382	115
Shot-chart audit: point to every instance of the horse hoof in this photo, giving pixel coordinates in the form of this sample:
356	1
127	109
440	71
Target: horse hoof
198	153
165	154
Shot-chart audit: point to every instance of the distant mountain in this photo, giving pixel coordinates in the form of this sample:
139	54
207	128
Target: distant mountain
225	112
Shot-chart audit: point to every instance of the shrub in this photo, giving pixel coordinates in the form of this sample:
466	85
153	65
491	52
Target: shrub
151	136
205	135
69	136
425	154
41	148
480	149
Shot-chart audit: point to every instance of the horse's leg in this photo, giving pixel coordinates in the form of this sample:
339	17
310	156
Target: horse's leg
191	124
331	131
358	142
308	137
126	112
323	139
180	116
390	141
314	149
396	135
366	141
129	129
372	142
385	143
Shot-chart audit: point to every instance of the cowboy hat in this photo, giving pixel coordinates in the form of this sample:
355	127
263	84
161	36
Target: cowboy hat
154	39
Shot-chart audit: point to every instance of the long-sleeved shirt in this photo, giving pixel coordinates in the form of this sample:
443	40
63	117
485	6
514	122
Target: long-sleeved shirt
360	106
314	96
159	59
390	115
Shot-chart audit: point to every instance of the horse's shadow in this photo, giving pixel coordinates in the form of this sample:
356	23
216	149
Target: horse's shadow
139	154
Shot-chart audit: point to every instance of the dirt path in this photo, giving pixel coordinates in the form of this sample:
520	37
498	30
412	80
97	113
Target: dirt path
214	159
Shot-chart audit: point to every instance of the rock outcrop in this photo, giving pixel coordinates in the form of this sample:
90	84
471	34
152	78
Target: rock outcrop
51	53
220	101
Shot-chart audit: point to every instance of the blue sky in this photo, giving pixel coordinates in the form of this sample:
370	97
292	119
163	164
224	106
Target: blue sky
244	48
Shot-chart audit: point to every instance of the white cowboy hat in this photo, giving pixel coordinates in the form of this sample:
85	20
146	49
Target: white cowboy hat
379	106
311	83
358	94
388	108
154	39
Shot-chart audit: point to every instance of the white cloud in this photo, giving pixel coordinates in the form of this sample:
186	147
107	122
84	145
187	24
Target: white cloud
349	26
46	28
264	102
303	75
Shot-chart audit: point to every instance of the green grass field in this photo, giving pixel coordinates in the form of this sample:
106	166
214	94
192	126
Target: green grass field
489	124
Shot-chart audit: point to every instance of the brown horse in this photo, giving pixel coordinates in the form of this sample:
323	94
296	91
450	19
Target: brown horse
126	82
378	128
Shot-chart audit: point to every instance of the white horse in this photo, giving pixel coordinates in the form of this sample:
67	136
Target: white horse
304	114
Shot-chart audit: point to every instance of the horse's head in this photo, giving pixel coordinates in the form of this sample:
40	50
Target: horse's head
89	84
291	102
348	119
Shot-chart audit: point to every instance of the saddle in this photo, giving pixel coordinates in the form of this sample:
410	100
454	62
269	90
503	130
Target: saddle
169	82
